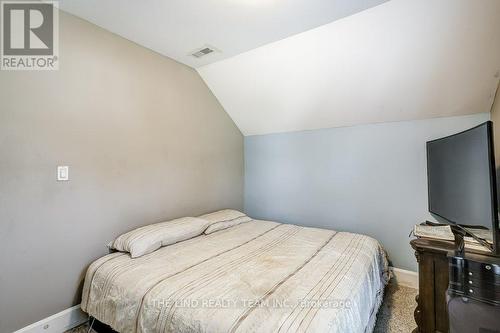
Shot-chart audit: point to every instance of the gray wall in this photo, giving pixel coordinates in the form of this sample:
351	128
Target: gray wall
369	179
145	140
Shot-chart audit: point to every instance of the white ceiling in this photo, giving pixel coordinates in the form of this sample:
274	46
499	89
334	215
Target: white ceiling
402	60
175	28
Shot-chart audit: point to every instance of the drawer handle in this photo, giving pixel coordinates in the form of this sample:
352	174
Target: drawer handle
471	291
488	267
470	282
470	273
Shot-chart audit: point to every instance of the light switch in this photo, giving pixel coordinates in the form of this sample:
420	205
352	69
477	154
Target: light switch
63	173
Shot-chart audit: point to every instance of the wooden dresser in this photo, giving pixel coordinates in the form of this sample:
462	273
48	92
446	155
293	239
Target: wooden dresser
437	265
431	314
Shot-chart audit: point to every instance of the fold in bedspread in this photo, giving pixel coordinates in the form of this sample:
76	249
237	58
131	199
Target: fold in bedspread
258	276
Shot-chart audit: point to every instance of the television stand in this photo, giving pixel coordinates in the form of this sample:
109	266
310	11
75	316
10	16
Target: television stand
442	274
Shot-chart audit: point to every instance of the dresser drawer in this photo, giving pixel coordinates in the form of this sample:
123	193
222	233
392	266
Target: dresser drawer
477	280
487	295
483	268
482	272
477	283
461	269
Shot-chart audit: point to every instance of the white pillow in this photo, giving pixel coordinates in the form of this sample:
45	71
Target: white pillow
147	239
224	219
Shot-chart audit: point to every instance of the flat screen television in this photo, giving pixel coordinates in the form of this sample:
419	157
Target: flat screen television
462	179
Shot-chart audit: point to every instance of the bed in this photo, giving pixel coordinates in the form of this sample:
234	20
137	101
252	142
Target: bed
257	276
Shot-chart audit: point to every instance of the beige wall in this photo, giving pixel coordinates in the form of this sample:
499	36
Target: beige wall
145	140
495	117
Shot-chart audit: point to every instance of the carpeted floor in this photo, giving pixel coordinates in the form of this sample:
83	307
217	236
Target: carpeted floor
395	314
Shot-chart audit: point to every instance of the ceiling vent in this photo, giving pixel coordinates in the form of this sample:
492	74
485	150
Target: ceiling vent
203	51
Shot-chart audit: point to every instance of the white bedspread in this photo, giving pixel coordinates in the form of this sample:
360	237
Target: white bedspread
258	276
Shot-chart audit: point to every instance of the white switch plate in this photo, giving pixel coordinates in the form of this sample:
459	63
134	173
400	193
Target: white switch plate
63	173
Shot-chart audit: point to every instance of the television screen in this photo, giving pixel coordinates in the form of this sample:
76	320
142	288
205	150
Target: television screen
461	177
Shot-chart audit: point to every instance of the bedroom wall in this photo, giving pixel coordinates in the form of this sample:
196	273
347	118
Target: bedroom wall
369	179
495	117
145	140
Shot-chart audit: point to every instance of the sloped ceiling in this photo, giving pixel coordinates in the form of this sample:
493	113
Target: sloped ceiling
402	60
176	28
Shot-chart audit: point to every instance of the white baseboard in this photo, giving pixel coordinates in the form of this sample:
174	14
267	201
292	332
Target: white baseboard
405	278
58	323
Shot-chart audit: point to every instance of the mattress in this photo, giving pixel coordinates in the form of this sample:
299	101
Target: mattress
259	276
